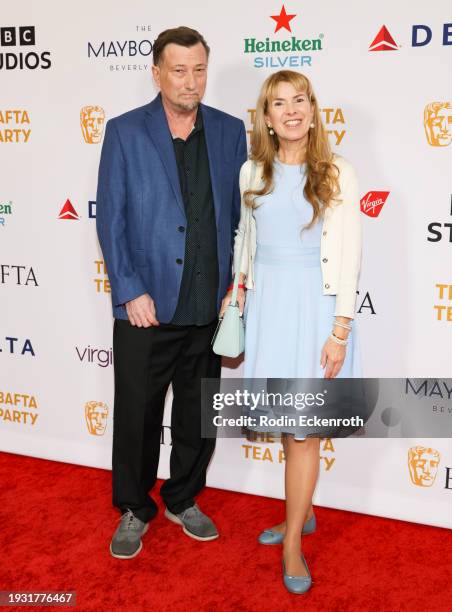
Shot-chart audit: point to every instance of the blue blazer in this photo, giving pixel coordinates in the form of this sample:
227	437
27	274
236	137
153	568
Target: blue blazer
140	206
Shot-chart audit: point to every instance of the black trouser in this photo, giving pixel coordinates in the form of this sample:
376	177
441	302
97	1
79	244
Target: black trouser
146	361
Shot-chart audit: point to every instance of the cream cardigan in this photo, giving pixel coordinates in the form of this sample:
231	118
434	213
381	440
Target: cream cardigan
340	244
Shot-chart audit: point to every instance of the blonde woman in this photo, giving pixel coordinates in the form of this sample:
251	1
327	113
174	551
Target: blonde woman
300	262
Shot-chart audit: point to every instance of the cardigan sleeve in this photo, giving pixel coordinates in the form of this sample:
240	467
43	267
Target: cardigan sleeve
351	242
241	242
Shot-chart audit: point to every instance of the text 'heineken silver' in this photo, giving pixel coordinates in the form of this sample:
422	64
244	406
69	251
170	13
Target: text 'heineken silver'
252	45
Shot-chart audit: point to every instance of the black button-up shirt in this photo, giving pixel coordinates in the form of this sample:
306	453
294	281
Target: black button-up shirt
197	304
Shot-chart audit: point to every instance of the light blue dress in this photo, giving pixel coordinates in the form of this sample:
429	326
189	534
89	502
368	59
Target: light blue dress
287	317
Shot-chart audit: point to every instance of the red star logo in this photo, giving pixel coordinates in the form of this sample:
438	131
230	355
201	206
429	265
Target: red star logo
282	20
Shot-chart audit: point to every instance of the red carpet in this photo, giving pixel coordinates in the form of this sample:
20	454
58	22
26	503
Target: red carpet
57	521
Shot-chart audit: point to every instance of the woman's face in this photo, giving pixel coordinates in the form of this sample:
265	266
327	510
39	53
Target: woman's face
290	113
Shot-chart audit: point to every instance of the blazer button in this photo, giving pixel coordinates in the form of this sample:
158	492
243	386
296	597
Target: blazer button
327	286
324	260
181	228
324	233
178	260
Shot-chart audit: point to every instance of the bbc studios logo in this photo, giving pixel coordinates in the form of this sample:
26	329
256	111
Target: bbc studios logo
15	52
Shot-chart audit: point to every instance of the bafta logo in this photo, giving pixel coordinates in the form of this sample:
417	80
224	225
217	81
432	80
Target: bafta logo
92	119
438	123
96	414
423	465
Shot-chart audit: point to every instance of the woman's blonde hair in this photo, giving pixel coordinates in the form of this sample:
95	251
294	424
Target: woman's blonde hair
322	184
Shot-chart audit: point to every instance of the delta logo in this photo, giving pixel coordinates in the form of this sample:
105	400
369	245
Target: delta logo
282	23
373	202
383	41
68	212
421	36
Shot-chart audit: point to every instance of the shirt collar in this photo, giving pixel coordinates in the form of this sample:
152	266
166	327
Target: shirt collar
197	126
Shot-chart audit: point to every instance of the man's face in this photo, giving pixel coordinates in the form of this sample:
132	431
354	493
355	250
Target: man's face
182	76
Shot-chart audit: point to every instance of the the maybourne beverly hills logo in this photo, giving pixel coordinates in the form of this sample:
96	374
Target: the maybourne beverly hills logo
282	51
124	55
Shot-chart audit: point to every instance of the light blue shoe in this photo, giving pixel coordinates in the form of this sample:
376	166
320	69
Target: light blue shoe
297	584
273	537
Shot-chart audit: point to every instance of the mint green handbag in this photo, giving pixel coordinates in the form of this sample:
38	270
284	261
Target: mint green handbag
229	337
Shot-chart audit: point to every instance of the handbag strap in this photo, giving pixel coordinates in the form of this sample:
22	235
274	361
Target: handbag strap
235	286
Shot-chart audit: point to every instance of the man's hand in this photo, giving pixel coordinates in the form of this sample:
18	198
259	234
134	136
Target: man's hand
241	293
141	311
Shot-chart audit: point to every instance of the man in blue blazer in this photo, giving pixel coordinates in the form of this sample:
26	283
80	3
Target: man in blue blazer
168	203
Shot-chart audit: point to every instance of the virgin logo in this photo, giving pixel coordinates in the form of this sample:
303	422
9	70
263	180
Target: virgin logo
373	202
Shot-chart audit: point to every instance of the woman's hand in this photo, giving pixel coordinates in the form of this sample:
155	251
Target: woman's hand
241	294
333	356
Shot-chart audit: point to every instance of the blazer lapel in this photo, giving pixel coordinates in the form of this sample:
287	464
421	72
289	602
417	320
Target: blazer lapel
160	135
213	134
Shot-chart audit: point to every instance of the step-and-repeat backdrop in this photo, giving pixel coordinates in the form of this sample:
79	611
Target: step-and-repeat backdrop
382	74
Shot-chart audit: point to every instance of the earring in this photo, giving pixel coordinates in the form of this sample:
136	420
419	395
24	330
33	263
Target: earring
270	130
312	125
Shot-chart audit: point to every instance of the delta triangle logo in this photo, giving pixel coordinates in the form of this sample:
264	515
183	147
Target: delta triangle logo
68	212
383	41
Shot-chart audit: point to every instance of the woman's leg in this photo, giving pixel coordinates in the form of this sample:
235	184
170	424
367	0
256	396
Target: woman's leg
281	527
302	469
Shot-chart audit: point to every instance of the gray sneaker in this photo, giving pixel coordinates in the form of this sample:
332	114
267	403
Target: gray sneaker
126	542
194	523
